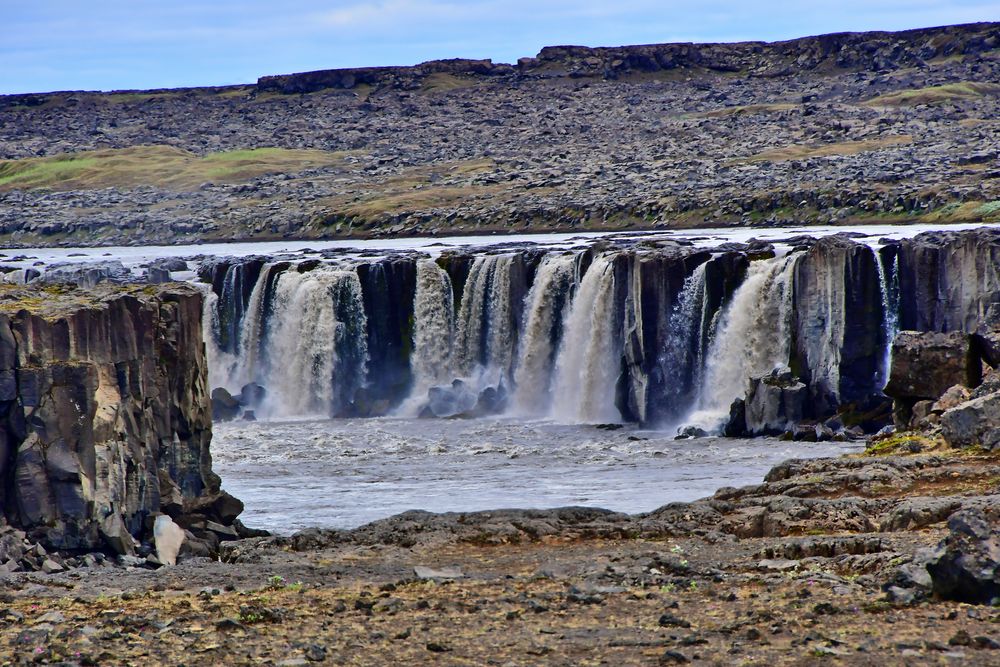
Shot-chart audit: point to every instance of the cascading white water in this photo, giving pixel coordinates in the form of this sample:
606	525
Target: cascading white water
484	340
533	371
220	362
314	315
752	338
889	290
681	359
589	359
433	333
250	333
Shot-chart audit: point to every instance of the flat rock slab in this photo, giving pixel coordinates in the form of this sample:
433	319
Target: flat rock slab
429	573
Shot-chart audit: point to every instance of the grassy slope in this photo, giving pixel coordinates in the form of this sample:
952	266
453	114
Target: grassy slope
160	166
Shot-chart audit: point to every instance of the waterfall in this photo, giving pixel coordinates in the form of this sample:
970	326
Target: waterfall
433	333
752	337
220	362
683	354
315	356
889	290
589	359
544	304
254	320
485	337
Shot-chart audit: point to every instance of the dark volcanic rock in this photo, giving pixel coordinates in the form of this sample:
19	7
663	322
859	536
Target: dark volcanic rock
105	415
775	402
975	422
926	364
966	565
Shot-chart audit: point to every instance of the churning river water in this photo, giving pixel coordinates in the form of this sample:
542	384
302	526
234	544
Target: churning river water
346	472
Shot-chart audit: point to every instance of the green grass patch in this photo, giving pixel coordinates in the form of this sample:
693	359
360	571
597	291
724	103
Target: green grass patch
935	94
160	166
900	443
970	211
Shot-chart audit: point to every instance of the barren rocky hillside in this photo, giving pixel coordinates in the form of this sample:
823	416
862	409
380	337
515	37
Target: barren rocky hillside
840	128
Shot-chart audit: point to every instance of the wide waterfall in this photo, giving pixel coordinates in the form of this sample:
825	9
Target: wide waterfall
665	335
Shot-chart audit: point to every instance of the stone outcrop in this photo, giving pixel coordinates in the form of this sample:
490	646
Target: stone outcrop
871	51
926	364
774	404
105	417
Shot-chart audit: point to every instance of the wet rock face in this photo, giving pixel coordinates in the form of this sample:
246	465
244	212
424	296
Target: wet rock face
775	402
105	415
926	364
948	280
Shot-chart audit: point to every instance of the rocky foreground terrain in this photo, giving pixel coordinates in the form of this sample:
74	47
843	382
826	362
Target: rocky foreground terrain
890	557
839	128
821	563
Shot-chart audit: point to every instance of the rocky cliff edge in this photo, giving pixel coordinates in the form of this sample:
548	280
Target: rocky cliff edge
105	420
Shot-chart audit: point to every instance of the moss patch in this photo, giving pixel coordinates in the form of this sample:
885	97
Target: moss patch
935	94
161	166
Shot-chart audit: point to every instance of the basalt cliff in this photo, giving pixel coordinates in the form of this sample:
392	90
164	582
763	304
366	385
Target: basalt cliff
105	424
844	128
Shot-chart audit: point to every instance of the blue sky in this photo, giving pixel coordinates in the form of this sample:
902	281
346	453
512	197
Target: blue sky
116	44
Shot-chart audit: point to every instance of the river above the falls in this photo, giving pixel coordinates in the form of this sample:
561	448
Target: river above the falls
347	472
136	257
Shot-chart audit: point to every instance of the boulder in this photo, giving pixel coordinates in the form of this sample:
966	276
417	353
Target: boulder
975	422
252	395
451	400
953	397
926	364
168	537
86	274
775	402
965	566
224	406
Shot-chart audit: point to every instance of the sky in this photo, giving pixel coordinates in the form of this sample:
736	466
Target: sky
48	45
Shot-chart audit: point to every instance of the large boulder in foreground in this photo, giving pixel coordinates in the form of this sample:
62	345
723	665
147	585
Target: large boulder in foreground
105	419
965	566
926	364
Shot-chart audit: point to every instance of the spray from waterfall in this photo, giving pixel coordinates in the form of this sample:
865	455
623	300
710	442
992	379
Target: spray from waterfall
539	341
752	338
221	363
589	359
